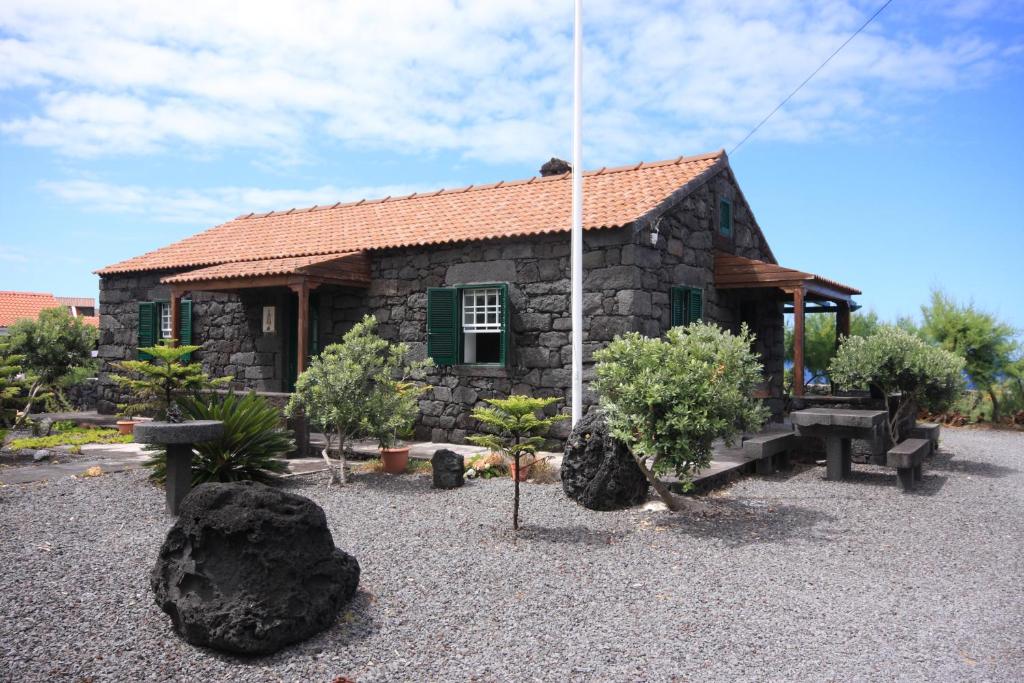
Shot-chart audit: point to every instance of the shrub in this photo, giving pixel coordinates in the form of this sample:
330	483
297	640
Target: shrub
76	436
157	387
358	386
519	432
51	347
669	399
251	447
11	383
820	340
894	361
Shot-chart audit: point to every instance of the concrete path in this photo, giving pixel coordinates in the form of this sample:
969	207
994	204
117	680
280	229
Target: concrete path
108	457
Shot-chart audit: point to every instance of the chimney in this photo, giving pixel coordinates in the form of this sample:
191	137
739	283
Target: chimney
555	167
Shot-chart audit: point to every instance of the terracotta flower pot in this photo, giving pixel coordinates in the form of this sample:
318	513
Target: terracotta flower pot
126	426
521	472
395	460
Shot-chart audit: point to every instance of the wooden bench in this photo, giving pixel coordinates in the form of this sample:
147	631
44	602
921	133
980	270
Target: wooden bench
770	451
927	431
907	457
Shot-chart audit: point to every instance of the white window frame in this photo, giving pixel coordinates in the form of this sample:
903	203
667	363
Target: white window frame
477	312
164	309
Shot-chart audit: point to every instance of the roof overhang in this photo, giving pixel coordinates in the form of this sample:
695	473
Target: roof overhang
349	269
737	272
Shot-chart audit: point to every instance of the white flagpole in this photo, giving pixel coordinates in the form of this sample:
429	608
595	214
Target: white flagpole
577	217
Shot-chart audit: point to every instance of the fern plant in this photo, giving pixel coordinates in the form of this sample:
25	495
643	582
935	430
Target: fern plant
519	432
252	445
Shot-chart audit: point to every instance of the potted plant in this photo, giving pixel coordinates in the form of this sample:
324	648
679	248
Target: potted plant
394	405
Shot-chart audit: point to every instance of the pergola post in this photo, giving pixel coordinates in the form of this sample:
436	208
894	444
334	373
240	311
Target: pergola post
175	317
798	341
842	321
302	290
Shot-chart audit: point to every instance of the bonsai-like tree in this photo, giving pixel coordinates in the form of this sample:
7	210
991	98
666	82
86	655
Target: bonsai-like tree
986	344
820	340
896	362
358	386
52	347
669	399
11	383
155	386
519	432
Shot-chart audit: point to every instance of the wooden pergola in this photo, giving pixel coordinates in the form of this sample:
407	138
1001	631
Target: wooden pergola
806	292
301	274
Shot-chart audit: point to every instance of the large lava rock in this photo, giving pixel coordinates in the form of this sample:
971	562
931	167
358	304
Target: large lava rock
599	472
249	569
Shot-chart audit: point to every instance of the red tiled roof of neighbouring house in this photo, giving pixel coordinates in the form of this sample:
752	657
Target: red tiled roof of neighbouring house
90	320
15	306
77	301
613	197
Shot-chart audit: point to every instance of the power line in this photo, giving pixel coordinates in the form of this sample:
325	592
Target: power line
808	79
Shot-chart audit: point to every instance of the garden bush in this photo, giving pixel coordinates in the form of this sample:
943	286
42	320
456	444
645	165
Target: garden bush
253	443
669	399
896	362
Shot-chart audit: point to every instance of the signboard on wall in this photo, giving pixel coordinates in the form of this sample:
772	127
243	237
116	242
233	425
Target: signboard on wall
269	319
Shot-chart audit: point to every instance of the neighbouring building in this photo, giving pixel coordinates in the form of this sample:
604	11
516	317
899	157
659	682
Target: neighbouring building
15	306
475	277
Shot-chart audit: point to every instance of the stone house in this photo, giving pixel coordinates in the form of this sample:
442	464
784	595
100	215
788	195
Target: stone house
476	277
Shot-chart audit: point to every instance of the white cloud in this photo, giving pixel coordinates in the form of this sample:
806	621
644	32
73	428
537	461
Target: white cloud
205	207
488	79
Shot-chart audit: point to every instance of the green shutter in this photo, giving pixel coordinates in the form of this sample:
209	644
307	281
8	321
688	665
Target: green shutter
695	306
677	301
725	217
185	325
503	355
443	325
147	327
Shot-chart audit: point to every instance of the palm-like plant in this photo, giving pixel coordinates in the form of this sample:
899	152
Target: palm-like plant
250	448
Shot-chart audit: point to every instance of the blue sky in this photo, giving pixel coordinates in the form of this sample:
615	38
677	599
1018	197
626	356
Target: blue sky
899	168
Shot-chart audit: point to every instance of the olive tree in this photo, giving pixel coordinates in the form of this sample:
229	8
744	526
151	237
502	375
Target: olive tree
669	399
895	362
52	347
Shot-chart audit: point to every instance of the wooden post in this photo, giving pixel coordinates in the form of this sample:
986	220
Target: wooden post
798	342
175	317
842	321
302	290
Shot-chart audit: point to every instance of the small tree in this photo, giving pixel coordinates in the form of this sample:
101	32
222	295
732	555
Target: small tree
52	347
156	385
358	386
986	344
11	383
520	432
820	339
893	361
670	399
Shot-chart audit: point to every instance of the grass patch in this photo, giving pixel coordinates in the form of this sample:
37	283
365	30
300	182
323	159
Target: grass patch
77	436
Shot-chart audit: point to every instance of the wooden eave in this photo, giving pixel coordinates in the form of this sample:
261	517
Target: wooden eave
737	272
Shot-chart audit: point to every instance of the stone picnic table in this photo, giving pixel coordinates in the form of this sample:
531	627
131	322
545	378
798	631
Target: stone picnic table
838	427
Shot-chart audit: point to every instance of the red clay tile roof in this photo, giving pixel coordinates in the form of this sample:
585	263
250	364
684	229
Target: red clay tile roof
738	272
613	197
79	301
354	264
90	320
15	306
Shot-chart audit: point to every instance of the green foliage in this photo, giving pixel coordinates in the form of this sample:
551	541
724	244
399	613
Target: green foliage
820	339
669	399
986	344
251	447
76	436
358	386
51	347
894	361
12	385
518	431
156	386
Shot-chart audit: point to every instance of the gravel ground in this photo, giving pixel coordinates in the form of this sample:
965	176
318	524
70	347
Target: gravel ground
790	578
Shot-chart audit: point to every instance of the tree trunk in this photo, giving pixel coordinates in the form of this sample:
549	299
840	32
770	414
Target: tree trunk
515	496
995	405
666	496
341	459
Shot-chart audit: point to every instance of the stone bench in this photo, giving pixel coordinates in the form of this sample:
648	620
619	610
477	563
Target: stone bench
927	431
907	457
770	451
